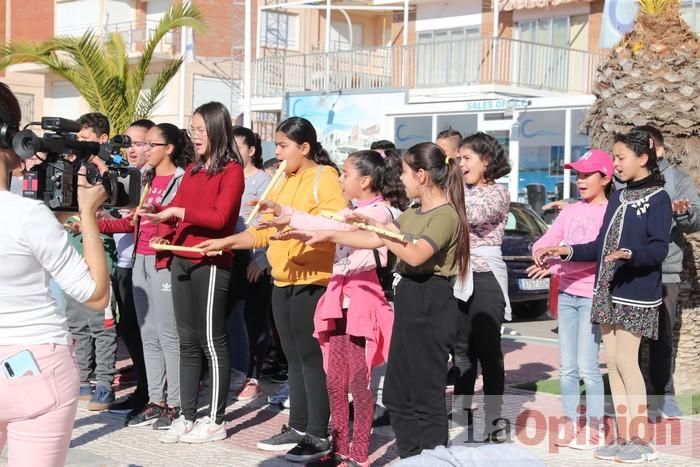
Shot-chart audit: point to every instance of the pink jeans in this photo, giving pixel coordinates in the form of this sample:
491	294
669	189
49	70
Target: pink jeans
37	412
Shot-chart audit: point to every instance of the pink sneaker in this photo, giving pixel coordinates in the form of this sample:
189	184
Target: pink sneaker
251	390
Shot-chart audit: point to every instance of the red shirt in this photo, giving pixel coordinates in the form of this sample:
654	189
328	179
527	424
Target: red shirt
211	206
148	230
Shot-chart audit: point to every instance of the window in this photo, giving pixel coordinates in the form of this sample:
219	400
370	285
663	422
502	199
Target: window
690	11
544	58
340	38
74	17
448	57
279	30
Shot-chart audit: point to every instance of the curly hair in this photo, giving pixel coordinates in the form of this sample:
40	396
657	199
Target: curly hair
489	150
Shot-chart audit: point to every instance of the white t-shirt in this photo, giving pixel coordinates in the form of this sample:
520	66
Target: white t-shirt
33	248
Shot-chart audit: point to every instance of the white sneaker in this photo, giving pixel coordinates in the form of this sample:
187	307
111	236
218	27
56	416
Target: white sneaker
177	430
588	439
566	435
238	380
205	431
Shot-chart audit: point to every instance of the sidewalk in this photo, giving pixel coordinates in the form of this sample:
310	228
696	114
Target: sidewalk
100	439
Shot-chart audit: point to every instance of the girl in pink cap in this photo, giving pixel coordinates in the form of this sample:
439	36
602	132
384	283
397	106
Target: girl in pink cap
579	339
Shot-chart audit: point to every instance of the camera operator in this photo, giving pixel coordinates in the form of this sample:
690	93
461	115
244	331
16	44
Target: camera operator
95	335
39	394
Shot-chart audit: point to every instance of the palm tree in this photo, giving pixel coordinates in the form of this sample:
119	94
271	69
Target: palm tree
101	71
651	76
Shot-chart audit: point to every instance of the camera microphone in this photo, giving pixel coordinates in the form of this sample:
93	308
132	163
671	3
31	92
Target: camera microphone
60	124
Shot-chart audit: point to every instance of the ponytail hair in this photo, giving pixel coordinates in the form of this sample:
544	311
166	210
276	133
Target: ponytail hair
641	142
301	131
183	149
445	173
252	140
385	175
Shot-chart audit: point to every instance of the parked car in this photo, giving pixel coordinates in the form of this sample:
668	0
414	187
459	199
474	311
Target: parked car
524	227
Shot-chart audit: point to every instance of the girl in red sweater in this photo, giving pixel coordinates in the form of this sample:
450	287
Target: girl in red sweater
206	206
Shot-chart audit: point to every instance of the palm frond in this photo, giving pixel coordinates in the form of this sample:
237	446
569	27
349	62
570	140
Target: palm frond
180	15
153	93
657	7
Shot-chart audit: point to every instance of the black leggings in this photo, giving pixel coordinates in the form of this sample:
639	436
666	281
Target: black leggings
201	301
479	341
294	307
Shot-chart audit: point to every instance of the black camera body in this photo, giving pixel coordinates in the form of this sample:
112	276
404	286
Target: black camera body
55	180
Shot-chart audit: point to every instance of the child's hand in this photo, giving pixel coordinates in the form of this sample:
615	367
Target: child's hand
622	254
279	223
310	237
158	241
537	272
680	206
541	256
359	218
558	205
213	247
268	207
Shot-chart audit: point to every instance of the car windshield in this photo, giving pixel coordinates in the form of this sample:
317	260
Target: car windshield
522	221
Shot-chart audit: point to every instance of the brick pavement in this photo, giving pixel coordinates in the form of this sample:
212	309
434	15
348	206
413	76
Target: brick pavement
100	439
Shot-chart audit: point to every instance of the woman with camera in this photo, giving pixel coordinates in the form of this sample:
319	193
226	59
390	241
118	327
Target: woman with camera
38	375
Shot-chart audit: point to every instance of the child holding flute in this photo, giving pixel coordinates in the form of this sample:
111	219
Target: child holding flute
301	274
435	250
206	206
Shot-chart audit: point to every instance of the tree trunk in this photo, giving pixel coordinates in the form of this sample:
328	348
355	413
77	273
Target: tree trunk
687	332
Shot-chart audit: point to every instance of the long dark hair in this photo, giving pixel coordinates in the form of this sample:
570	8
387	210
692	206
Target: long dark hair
385	175
301	131
489	150
183	149
641	142
222	146
252	140
445	174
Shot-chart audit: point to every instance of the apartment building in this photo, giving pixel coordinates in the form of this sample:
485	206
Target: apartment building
362	70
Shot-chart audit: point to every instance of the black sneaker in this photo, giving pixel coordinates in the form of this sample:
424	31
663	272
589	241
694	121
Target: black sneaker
128	405
381	416
309	448
285	440
164	421
279	377
498	434
147	416
329	460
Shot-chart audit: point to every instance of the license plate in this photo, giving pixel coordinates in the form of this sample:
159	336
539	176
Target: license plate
533	284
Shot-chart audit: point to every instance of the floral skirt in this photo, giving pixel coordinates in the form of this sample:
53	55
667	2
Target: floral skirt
637	320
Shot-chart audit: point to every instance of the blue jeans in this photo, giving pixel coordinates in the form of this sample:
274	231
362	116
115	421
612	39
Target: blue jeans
579	344
237	338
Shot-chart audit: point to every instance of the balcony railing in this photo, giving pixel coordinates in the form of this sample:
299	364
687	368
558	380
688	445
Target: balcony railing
135	34
473	61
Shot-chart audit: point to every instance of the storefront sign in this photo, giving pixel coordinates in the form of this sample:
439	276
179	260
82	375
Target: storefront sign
497	104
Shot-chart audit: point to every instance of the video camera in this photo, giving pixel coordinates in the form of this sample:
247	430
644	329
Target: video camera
55	179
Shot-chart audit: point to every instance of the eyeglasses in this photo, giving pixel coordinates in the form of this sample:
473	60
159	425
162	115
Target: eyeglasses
139	144
196	132
152	145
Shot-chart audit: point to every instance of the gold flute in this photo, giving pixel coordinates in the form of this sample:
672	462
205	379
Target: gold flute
361	225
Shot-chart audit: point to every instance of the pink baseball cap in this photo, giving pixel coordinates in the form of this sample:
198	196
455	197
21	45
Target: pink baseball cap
595	160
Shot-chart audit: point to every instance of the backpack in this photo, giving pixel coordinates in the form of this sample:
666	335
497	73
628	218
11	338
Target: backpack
386	273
